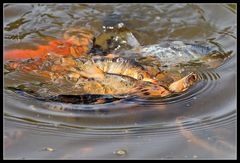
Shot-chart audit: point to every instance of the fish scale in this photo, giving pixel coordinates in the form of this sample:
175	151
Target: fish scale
175	52
120	66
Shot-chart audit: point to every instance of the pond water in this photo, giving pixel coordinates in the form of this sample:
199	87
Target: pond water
198	124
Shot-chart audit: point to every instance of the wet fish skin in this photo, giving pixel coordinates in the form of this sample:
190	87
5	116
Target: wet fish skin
175	52
123	66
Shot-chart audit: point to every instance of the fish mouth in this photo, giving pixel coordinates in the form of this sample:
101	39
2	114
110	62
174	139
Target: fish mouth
184	83
191	78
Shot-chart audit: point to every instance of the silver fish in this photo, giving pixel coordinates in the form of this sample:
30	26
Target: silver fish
176	52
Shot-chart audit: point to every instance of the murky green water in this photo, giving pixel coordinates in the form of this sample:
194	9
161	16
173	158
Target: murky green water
129	128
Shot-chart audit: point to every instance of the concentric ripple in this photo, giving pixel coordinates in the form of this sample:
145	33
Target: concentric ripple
132	115
208	104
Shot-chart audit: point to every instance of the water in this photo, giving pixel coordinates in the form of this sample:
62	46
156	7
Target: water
198	124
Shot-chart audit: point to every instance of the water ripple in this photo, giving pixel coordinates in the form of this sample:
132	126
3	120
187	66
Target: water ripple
98	119
203	106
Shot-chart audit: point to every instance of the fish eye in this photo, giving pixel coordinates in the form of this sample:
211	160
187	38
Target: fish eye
119	59
140	77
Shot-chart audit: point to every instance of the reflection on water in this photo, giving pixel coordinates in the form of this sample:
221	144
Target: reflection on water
200	123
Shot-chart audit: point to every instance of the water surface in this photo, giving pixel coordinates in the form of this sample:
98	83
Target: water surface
198	124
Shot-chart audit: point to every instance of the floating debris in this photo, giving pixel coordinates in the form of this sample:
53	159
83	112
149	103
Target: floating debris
48	149
120	152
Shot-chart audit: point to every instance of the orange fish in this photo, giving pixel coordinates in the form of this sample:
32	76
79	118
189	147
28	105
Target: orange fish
61	48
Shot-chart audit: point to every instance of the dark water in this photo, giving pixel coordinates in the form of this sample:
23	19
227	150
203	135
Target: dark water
199	124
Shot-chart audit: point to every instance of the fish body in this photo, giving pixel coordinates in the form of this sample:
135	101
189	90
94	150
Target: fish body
175	52
123	66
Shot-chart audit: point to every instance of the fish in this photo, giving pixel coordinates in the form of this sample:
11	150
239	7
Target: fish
76	42
123	66
172	53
